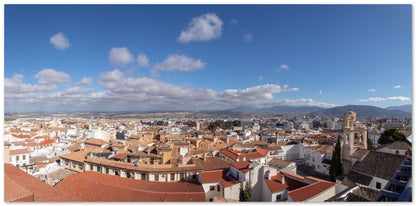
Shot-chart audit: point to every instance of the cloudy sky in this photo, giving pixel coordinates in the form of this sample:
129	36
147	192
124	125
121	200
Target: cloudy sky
148	58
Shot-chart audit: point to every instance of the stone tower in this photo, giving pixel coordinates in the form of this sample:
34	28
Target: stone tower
355	137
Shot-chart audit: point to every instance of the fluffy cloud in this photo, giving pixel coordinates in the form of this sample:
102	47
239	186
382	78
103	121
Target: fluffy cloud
142	60
51	76
381	99
176	62
126	93
202	28
85	81
372	90
59	41
120	56
399	98
398	86
248	38
284	66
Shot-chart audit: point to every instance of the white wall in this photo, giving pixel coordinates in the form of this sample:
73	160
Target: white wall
374	181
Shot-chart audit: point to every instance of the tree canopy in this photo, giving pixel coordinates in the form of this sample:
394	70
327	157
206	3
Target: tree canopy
391	135
335	169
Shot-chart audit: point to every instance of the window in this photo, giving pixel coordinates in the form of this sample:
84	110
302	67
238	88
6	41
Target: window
98	168
144	177
66	163
218	188
378	185
91	167
172	176
80	167
107	170
17	158
397	152
181	176
117	173
24	157
211	188
156	177
278	197
128	174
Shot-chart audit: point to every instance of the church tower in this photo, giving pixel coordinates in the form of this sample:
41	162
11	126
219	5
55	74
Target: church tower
355	137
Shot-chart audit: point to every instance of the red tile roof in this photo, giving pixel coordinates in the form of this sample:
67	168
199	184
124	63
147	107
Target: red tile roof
233	154
307	192
242	166
18	151
15	192
298	190
41	191
95	142
211	176
46	142
93	186
275	183
228	181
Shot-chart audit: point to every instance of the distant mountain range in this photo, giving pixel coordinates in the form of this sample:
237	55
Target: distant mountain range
363	111
404	108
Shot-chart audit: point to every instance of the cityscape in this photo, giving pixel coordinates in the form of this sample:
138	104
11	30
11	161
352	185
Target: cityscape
208	103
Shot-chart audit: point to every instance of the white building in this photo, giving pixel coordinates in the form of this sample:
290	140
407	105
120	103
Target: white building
19	157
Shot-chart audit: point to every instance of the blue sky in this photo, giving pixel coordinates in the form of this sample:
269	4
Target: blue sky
205	57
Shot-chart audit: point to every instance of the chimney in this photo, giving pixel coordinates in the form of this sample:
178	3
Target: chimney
205	157
237	160
283	179
244	158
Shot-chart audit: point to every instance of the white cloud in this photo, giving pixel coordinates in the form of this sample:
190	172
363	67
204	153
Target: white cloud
399	98
320	91
234	21
59	41
260	78
142	60
51	76
176	62
120	56
372	90
85	81
202	28
398	86
124	93
248	38
283	67
381	99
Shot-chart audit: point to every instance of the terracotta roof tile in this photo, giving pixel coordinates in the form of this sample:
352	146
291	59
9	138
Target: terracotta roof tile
309	191
18	151
93	186
42	192
211	176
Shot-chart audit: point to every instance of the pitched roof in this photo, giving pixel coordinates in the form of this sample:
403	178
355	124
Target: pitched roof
378	164
93	186
275	183
242	166
41	191
309	191
279	162
95	142
402	145
211	176
46	142
18	151
212	163
360	154
76	156
15	192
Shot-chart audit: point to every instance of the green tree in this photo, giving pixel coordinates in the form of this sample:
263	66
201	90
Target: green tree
243	196
248	192
391	135
335	169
